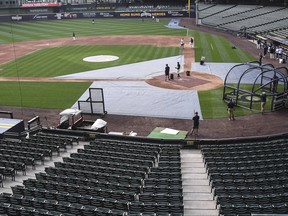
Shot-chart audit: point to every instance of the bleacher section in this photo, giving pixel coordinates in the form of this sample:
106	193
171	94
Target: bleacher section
249	177
107	177
252	18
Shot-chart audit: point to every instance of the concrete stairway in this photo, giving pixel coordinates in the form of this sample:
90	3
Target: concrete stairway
197	195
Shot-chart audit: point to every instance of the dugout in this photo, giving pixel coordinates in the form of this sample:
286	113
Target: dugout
244	83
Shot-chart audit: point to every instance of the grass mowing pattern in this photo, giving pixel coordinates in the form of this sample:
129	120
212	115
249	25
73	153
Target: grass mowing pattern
59	61
41	95
218	49
37	30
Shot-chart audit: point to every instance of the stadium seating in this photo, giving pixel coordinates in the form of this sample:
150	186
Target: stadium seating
107	177
249	177
251	18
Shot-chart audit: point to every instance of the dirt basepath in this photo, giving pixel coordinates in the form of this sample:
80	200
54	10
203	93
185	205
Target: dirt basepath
10	52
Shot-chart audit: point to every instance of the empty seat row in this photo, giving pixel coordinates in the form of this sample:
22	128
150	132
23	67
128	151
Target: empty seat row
137	145
94	175
45	152
110	164
219	163
37	156
7	172
28	161
89	182
101	169
94	156
242	209
163	181
40	206
118	154
17	166
161	197
249	182
123	149
81	189
68	197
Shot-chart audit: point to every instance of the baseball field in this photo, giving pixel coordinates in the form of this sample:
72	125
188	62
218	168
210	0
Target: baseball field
32	54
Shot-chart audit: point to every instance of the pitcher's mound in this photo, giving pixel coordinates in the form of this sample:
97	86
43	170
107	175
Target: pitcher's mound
101	58
196	81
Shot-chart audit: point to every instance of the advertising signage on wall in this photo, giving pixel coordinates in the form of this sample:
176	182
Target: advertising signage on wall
106	14
155	14
42	4
105	8
67	15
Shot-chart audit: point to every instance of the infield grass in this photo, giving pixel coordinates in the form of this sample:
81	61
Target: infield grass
51	62
66	60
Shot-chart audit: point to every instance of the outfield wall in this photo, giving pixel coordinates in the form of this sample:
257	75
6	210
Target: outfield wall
92	15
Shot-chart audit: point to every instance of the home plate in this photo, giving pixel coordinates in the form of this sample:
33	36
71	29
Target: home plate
101	58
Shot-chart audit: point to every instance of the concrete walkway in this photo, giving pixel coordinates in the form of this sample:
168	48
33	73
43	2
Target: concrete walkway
197	195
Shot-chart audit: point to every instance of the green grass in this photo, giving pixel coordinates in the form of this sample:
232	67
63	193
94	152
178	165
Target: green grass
218	49
51	62
58	95
212	105
66	60
37	30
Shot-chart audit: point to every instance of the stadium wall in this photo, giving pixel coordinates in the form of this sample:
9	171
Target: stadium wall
107	14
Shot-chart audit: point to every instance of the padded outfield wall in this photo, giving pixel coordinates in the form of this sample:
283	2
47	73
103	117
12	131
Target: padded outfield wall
32	14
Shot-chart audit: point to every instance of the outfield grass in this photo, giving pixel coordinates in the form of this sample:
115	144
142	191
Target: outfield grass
66	60
37	30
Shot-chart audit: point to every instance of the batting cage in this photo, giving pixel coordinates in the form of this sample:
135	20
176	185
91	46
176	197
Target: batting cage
94	104
244	83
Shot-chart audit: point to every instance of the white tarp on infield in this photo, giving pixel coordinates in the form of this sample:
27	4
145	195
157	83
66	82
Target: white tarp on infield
137	98
136	71
221	70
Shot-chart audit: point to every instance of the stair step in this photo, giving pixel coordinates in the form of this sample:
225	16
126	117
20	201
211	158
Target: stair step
193	170
194	176
191	204
192	164
197	196
199	189
190	196
190	182
199	212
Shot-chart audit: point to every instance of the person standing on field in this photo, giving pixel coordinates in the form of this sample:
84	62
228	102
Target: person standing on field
230	109
178	69
195	119
263	100
167	72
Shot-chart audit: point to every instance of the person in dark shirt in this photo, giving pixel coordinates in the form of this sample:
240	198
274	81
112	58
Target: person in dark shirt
263	99
178	69
260	58
167	72
195	119
274	83
230	109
